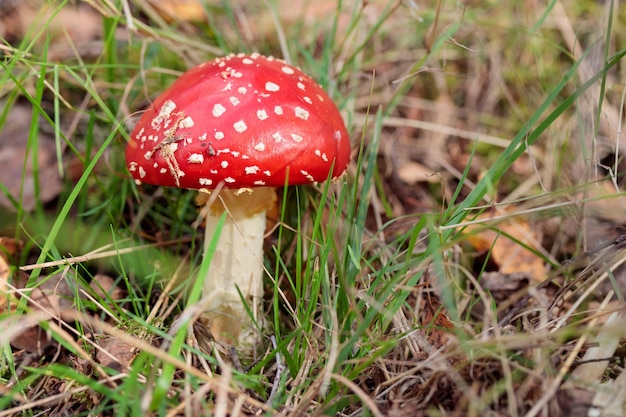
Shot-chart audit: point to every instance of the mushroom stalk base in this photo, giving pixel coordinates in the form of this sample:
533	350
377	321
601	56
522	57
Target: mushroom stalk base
235	275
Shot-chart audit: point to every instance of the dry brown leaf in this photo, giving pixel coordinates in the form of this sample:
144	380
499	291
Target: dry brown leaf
104	285
185	10
606	203
32	339
506	251
66	36
53	295
115	353
9	248
4	277
13	141
439	326
413	172
499	283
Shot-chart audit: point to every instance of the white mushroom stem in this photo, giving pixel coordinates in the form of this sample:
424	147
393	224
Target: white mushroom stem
235	274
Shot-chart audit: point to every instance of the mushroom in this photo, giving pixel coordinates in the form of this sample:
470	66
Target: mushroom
242	124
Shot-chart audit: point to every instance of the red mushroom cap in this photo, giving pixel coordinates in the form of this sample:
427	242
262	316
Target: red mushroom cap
246	120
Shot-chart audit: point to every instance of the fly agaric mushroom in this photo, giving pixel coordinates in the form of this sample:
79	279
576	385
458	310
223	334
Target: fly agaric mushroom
246	123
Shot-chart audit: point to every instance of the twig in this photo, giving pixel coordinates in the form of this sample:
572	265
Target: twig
107	254
280	367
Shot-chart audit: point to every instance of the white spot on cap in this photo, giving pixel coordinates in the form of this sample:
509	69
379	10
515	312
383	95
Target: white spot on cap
277	137
266	172
218	110
244	190
301	113
164	113
287	70
320	98
148	155
296	138
270	86
233	100
168	107
307	99
163	170
261	114
228	87
252	170
247	61
307	175
242	90
202	137
259	182
205	181
219	135
195	158
278	110
132	167
240	126
321	155
229	180
224	164
142	172
186	122
301	86
259	147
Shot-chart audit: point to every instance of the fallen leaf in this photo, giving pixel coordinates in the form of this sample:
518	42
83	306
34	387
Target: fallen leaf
412	173
104	285
115	353
10	247
13	153
4	278
31	338
64	34
185	10
506	246
50	297
439	326
498	282
501	287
